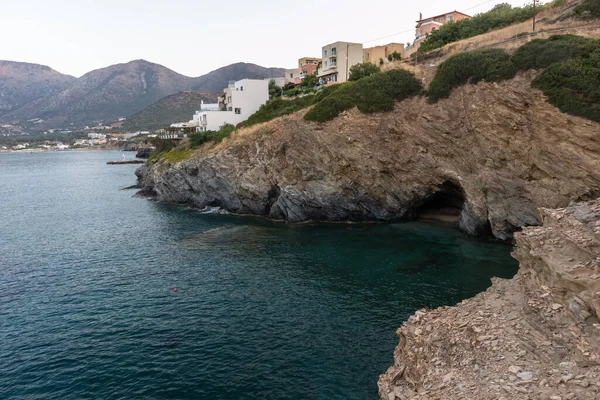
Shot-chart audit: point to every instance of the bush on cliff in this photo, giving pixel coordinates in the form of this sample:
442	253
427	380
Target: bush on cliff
542	53
199	138
277	108
374	93
500	16
573	86
362	70
588	9
491	65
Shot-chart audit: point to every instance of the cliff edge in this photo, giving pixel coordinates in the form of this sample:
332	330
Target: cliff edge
536	336
494	151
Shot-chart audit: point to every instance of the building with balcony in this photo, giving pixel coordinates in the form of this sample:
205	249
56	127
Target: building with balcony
427	25
307	66
337	59
375	54
239	101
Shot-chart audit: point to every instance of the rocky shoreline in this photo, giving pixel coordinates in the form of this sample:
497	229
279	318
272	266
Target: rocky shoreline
536	336
497	151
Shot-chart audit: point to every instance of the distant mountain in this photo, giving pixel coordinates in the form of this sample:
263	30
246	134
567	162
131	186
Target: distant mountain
104	95
23	83
216	81
178	107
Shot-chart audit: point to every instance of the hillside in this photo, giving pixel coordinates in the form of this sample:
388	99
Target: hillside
175	108
24	83
105	94
216	81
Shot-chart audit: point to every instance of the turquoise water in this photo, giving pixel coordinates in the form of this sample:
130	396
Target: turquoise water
263	310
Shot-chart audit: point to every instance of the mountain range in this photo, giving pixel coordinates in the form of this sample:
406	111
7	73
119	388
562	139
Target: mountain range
32	93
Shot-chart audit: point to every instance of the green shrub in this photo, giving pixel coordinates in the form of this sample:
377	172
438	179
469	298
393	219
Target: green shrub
161	145
277	108
500	16
588	9
542	53
199	138
309	82
362	70
292	92
371	94
491	65
177	155
573	86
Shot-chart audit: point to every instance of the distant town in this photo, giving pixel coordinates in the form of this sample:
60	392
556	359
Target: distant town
239	100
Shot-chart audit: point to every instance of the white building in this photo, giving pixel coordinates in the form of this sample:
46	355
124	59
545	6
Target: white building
239	101
96	135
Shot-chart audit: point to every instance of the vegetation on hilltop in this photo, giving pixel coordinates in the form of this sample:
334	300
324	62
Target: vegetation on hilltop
500	16
277	108
362	70
571	76
542	53
374	93
199	138
588	9
489	65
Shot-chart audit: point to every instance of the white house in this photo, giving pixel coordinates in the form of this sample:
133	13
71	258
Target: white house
239	101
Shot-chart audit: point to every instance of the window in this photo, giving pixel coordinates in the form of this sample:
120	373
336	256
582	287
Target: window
368	56
450	18
238	110
325	52
292	75
241	88
333	51
325	64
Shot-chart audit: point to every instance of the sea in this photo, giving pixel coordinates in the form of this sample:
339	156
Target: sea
105	295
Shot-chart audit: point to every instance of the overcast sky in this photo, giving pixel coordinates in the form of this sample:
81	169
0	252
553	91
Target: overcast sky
194	37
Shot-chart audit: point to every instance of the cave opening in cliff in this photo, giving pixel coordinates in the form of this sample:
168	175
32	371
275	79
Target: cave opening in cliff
445	204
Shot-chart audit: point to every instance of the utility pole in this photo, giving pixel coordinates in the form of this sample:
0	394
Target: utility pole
534	13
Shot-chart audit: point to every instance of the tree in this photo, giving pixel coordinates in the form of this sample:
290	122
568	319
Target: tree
309	81
395	56
363	70
288	86
380	62
274	90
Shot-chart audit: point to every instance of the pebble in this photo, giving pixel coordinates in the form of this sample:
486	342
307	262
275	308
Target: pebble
556	306
514	369
525	375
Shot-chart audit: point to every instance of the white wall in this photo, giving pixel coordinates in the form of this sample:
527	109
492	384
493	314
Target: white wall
247	96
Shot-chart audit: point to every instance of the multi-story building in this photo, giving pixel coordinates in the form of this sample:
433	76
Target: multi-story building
308	66
375	54
239	101
427	25
337	59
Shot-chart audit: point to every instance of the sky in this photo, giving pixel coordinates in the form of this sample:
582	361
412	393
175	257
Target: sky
194	37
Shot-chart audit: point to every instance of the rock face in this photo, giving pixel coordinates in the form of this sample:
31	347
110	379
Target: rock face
536	336
496	151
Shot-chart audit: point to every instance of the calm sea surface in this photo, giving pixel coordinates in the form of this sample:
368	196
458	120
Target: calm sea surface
262	311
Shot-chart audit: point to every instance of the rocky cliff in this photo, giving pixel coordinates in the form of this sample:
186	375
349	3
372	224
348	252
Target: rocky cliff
497	152
536	336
